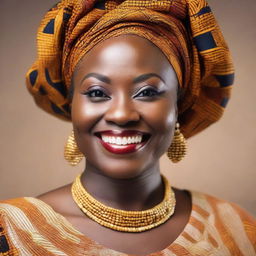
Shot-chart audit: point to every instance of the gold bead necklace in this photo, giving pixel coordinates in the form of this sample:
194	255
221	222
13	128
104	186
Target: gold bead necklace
121	220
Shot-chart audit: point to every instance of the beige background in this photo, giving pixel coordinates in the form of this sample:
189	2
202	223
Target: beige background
221	160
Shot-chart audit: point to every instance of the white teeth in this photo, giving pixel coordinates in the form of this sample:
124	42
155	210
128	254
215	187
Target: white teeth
118	141
122	140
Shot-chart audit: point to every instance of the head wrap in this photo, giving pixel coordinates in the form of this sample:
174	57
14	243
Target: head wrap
185	31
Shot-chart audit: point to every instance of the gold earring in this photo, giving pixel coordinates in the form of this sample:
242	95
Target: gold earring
71	152
178	148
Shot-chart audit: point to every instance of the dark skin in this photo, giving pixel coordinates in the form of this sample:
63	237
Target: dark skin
118	97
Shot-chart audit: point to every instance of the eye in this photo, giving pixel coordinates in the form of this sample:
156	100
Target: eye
96	94
148	92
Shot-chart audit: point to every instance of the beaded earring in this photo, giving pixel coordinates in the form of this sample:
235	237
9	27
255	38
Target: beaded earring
71	152
178	148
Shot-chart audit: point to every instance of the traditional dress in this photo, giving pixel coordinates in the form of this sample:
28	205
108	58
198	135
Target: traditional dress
28	226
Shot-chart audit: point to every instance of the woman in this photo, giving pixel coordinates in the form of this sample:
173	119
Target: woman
128	74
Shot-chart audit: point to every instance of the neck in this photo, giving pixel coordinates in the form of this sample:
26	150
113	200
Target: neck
135	194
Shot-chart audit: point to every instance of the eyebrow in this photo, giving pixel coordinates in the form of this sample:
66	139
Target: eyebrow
138	79
100	77
144	77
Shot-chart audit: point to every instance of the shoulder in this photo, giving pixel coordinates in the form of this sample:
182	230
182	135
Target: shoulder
22	213
29	226
233	225
220	207
15	207
29	220
26	214
33	209
49	207
60	200
20	206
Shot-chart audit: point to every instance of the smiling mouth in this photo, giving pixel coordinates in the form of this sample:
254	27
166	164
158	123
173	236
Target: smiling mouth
122	142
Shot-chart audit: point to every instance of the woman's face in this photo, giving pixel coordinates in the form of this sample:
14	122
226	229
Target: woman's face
124	106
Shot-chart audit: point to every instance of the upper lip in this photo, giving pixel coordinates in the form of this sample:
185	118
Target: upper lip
122	133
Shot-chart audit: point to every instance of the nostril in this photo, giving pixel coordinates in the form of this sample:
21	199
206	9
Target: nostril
122	115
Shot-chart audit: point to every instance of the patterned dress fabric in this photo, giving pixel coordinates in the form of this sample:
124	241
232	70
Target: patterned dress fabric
185	30
28	226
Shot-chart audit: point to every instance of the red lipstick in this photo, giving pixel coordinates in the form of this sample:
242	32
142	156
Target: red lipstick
132	140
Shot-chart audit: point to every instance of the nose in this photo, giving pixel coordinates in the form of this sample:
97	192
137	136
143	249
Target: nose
122	111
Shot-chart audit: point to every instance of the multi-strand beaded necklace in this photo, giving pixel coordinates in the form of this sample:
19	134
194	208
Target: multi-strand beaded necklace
121	220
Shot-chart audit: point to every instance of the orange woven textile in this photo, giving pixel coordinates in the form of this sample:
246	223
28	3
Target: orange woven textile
28	226
185	31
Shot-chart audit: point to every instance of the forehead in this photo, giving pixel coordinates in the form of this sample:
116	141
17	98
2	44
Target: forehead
128	52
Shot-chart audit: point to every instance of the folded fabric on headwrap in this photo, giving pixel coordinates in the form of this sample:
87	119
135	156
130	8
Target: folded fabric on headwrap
185	31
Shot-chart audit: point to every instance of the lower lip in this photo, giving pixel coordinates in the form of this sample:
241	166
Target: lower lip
121	149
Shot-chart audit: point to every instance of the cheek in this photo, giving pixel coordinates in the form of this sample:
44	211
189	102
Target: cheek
160	115
84	114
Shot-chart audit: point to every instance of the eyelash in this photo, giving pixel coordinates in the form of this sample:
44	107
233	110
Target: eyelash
89	94
150	93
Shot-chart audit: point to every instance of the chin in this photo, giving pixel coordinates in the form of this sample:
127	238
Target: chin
120	169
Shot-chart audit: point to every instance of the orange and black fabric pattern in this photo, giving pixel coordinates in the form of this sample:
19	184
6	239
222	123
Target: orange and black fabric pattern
185	30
